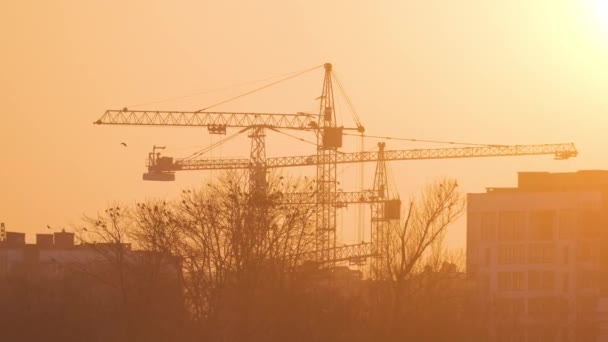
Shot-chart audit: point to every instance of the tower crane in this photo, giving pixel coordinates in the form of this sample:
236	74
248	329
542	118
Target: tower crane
328	134
384	209
559	151
216	123
326	198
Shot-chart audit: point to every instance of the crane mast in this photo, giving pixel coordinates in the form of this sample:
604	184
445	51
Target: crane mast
257	158
329	139
385	213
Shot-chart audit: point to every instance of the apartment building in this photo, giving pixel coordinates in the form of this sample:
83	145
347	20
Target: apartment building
535	252
55	289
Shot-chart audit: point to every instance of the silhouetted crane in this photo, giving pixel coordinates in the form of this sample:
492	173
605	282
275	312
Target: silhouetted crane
329	136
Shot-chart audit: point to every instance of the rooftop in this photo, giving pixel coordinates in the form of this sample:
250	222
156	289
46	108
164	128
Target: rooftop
559	181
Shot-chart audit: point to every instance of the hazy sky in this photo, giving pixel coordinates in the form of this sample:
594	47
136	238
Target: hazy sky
487	71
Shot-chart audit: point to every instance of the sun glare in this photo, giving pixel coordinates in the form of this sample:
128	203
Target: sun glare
600	13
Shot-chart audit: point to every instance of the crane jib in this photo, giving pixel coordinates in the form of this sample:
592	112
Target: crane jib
560	151
207	119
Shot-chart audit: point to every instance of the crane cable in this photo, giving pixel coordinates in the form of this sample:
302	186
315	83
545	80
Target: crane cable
298	138
214	145
392	182
348	101
361	171
427	141
208	91
347	167
260	88
292	136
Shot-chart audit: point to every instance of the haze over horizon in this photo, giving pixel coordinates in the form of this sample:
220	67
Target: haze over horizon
516	72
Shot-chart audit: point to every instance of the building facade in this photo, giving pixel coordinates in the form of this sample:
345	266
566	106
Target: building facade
537	255
57	290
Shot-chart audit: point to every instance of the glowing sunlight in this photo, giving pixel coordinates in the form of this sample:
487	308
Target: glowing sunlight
600	15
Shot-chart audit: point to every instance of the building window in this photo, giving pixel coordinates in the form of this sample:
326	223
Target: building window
539	333
504	281
586	252
587	280
487	255
518	281
590	224
485	284
474	226
511	226
541	253
509	254
567	224
541	225
585	305
488	226
541	306
501	306
547	280
510	281
541	280
533	280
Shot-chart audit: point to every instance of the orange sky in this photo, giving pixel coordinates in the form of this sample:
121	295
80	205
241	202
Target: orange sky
508	72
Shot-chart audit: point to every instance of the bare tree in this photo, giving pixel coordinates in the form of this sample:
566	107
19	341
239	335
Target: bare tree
419	239
412	251
239	254
238	245
107	234
133	251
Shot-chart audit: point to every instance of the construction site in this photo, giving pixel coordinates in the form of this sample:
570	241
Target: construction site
334	145
307	171
272	240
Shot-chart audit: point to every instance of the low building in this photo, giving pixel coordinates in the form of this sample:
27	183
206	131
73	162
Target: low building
536	253
53	287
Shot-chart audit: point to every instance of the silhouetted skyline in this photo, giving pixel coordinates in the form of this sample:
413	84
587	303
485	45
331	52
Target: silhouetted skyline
510	72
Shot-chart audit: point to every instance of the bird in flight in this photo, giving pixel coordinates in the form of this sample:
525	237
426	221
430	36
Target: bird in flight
123	144
48	227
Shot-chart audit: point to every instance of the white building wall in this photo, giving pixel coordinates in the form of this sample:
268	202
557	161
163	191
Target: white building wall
511	286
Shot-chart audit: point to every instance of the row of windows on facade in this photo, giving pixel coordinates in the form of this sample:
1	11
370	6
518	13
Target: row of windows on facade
534	225
544	306
533	334
541	253
544	332
537	280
